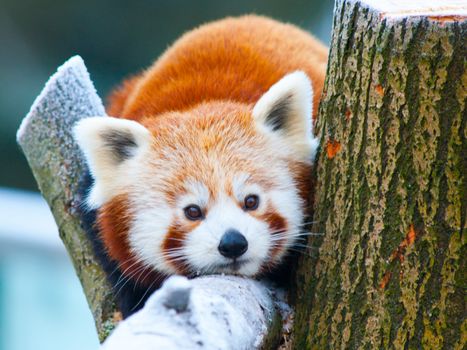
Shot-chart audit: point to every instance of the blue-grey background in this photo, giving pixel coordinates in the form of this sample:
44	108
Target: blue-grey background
41	303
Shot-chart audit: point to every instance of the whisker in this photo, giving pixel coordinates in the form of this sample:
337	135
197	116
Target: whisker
144	271
142	298
123	273
173	250
303	252
177	240
118	266
304	246
145	293
126	280
129	278
178	258
172	254
309	223
294	233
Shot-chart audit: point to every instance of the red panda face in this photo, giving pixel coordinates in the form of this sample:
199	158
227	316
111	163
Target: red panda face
242	229
215	189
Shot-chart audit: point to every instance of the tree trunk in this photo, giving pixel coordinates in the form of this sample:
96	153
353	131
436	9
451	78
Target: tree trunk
390	270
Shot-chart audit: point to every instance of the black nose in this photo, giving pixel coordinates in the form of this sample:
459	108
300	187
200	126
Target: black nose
233	244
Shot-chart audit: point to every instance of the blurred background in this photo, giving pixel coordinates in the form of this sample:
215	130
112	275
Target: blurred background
42	305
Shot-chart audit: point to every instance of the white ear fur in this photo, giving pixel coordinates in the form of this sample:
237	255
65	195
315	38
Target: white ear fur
107	143
286	108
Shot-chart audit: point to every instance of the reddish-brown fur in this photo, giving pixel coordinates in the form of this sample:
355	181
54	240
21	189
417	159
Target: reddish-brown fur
234	59
114	232
114	222
277	225
174	240
218	71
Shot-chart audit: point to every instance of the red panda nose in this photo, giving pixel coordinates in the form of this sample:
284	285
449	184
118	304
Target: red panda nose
233	244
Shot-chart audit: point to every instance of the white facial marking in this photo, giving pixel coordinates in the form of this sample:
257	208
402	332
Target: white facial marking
111	146
293	96
242	187
197	193
148	232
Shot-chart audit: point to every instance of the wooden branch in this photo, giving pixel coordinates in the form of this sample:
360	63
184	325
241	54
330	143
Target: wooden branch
245	308
391	182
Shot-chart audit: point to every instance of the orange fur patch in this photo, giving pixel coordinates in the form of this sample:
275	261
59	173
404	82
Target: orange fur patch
302	176
114	222
275	221
117	98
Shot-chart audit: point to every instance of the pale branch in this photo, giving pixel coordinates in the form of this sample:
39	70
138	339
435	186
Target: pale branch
239	311
212	312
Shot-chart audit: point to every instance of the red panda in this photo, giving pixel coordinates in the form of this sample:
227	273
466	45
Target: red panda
204	165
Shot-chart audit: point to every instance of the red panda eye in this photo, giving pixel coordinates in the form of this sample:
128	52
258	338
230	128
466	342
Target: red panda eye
251	202
193	212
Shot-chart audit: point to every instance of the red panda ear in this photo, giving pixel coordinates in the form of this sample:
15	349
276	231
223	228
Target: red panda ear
286	108
107	143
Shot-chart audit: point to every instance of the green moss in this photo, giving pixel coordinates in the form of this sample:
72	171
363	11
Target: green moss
106	328
360	313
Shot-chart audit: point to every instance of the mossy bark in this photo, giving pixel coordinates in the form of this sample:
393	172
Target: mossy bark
390	270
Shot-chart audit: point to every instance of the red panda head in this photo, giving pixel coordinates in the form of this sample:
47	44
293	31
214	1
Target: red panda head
218	188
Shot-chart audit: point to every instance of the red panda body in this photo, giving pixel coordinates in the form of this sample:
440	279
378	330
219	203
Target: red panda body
235	59
205	168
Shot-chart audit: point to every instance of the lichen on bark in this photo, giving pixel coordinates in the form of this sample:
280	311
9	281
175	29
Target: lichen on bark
390	269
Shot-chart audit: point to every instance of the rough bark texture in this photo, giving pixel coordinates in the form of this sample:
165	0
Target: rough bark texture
45	137
390	271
